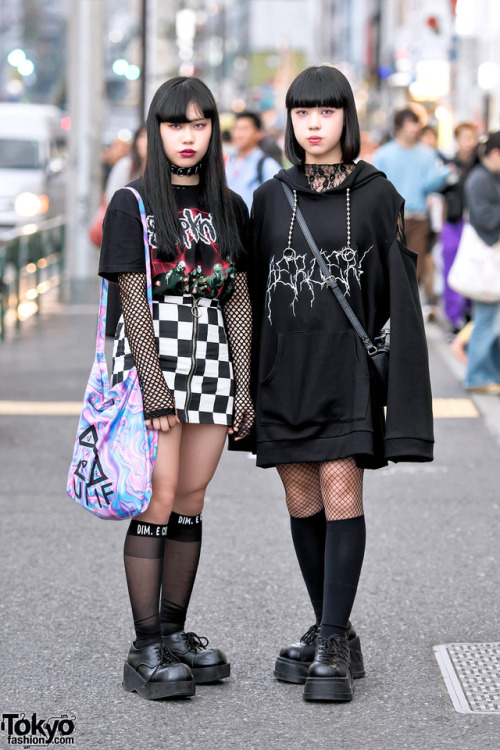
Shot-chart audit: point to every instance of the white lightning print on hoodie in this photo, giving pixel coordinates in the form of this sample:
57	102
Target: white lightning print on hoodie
297	272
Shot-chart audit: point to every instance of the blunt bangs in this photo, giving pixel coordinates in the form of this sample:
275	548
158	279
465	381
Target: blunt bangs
174	97
322	86
318	87
169	104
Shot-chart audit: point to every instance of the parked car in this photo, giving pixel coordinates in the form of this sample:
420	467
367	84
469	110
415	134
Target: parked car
32	164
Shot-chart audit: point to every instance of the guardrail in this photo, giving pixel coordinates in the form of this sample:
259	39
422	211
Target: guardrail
31	263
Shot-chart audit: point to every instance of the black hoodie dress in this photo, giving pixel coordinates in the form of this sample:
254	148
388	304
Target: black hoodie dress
313	390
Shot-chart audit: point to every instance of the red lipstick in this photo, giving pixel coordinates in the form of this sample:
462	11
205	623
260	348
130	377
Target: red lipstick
187	153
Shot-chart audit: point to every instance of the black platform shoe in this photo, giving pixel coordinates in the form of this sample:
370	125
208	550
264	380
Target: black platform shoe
329	677
154	672
294	661
206	664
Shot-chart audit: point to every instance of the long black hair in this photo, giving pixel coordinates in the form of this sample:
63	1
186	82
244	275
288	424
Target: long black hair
170	104
322	86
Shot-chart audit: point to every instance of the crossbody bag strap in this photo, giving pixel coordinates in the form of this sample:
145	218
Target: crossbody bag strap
101	324
328	277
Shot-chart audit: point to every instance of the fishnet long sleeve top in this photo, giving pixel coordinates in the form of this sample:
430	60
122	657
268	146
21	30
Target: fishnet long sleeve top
237	313
158	400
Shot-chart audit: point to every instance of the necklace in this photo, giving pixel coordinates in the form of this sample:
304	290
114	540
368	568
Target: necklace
289	254
186	171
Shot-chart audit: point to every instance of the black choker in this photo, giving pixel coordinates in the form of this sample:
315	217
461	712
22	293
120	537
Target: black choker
185	171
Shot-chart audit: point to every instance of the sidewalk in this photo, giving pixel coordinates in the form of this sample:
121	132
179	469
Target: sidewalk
430	577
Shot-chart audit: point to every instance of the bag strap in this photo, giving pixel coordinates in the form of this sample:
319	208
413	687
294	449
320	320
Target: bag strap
327	276
101	324
260	168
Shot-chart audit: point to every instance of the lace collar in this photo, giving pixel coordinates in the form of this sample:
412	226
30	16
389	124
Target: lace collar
321	177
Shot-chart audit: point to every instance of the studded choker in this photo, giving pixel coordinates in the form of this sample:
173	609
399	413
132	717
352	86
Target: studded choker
185	171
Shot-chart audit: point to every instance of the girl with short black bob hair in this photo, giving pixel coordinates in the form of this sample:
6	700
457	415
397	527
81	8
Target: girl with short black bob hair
319	420
192	356
323	86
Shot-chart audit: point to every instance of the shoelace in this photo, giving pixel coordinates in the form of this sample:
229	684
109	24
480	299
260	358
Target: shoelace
195	642
309	637
334	648
165	657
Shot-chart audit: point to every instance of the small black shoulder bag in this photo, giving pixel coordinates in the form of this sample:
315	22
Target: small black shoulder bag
378	349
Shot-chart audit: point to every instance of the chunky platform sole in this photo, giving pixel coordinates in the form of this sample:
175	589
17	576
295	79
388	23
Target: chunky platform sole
324	689
204	675
134	682
291	670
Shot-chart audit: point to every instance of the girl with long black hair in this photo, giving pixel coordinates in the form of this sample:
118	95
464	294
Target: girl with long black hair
317	417
193	362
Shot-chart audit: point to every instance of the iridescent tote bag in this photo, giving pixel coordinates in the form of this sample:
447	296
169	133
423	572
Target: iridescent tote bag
114	453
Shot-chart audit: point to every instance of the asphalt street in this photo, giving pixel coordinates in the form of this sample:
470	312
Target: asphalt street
430	577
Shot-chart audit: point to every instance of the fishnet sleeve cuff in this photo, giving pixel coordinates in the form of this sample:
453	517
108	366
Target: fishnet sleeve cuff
158	413
157	399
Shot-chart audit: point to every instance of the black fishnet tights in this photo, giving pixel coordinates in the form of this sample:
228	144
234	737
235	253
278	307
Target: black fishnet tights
157	399
237	313
336	486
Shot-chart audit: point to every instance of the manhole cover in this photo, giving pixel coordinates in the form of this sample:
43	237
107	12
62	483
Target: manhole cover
471	672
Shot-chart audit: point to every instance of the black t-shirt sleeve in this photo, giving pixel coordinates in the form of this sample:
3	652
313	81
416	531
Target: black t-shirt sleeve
122	248
243	225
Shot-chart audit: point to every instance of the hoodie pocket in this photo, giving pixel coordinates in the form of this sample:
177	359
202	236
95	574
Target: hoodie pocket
316	377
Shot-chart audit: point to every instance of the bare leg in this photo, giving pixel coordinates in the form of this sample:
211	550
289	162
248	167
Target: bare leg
200	451
165	476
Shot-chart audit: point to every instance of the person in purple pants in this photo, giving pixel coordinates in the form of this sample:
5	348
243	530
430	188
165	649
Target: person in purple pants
466	138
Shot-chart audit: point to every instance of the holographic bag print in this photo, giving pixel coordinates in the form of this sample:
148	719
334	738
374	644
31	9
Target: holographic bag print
114	453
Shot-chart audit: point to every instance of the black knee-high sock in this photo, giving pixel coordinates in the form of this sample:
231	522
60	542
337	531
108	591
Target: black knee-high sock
143	558
344	552
308	535
182	554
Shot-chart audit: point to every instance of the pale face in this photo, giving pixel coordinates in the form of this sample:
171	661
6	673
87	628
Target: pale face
466	143
186	143
408	132
245	135
141	144
429	138
318	130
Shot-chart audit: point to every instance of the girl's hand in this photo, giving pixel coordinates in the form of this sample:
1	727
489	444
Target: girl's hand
243	420
162	424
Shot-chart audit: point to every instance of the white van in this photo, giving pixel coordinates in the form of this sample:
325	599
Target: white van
32	162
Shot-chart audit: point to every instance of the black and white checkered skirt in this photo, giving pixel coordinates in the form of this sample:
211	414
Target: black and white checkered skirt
194	357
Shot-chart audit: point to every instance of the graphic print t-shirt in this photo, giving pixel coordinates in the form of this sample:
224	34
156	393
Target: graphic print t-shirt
198	268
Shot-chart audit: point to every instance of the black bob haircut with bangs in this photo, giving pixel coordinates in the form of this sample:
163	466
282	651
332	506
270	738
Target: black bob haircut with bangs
322	86
169	104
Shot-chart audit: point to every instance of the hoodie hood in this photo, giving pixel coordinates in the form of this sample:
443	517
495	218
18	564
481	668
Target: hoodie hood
362	174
